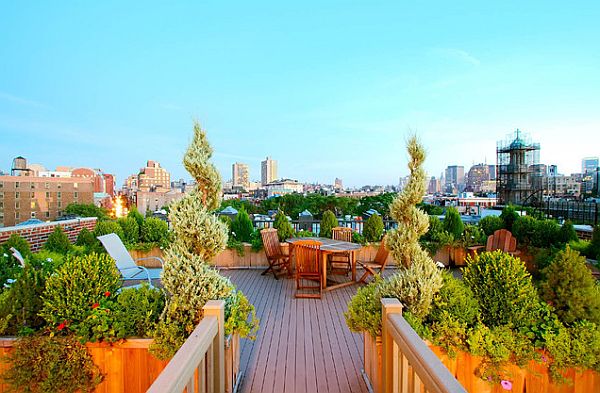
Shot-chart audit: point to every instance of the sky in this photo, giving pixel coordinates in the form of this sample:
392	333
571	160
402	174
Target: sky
327	88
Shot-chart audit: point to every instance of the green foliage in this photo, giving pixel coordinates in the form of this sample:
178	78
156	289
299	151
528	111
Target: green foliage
241	316
86	210
490	224
155	230
453	223
571	288
303	233
283	226
373	228
455	299
131	229
242	227
21	303
48	261
524	229
106	227
448	333
236	245
58	241
594	249
582	246
576	346
473	235
51	364
76	286
9	266
503	288
509	216
136	215
256	241
547	234
364	309
567	233
435	227
328	222
85	238
138	310
432	210
357	238
239	204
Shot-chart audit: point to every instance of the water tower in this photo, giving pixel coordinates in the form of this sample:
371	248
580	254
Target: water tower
19	167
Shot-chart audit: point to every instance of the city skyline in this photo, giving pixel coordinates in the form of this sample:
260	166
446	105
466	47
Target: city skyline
328	94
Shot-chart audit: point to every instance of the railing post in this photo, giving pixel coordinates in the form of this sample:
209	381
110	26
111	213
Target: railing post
388	306
216	308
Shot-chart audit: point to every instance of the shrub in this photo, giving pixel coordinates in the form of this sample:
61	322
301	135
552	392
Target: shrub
567	233
241	227
283	226
455	299
546	234
239	310
503	288
256	242
373	228
576	346
106	227
356	238
9	266
86	210
136	215
21	303
155	230
524	229
51	364
594	250
305	233
453	223
85	238
76	286
364	309
473	235
131	229
571	288
490	224
435	227
509	216
48	261
58	241
328	222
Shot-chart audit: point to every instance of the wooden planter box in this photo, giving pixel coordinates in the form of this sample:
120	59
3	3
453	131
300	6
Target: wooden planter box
442	255
458	255
152	263
532	379
130	367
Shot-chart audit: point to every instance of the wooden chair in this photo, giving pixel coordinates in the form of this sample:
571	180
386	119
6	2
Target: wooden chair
377	265
278	261
502	240
308	268
341	263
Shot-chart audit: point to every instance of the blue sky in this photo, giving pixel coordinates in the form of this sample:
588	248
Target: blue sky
329	89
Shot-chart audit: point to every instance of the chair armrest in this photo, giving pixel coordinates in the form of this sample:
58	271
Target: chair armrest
162	263
142	268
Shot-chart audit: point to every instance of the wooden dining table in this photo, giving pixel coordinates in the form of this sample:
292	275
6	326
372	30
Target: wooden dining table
328	247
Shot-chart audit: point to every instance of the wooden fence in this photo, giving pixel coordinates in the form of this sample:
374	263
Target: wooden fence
408	363
199	365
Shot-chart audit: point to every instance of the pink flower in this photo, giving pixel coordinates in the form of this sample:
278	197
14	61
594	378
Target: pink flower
544	358
506	385
95	305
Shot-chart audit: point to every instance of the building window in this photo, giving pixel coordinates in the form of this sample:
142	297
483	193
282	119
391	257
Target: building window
58	195
33	195
32	214
47	194
75	194
1	184
17	215
33	186
47	214
17	195
46	185
33	205
1	204
59	213
59	204
17	205
74	185
17	184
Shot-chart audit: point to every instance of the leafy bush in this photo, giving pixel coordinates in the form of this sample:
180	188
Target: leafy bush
256	241
576	346
567	233
547	234
51	364
453	223
594	250
571	288
357	238
21	303
9	266
364	309
305	233
86	210
473	235
48	261
456	300
503	288
106	227
155	230
509	216
239	310
524	229
58	241
490	224
136	215
241	227
76	286
373	228
435	227
283	226
328	222
131	229
582	246
85	238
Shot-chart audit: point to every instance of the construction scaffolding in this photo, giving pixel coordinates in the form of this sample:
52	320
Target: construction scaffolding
517	159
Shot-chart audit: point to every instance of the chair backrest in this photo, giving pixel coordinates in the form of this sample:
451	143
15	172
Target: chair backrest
502	240
342	233
382	253
308	257
115	248
270	242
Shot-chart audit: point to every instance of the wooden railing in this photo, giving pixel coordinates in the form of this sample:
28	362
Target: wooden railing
199	365
409	366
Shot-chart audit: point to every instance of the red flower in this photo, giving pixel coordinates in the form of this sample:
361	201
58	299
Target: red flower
62	325
107	294
95	305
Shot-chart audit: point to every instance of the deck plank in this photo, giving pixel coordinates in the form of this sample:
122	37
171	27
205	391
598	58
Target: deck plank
303	345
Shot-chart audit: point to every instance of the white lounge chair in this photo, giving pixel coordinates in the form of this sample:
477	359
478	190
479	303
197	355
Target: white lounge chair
125	263
18	256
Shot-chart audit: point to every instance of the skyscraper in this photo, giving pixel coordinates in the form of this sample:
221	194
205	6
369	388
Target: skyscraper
240	175
268	171
455	178
589	165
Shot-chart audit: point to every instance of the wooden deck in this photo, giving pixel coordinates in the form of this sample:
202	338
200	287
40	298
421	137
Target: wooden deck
303	345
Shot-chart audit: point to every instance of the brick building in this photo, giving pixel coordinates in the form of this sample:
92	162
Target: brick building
37	234
25	197
154	178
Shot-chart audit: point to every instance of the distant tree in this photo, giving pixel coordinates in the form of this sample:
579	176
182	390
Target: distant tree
509	216
490	224
373	228
131	229
453	223
134	213
567	232
58	241
86	210
328	222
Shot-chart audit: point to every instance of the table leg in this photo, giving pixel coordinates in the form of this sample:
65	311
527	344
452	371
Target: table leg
324	269
353	256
